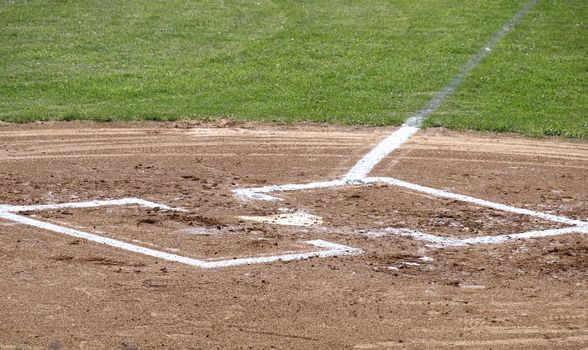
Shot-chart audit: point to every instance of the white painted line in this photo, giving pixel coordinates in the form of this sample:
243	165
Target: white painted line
525	235
357	174
418	118
88	204
259	193
333	248
440	241
476	201
414	187
98	239
363	167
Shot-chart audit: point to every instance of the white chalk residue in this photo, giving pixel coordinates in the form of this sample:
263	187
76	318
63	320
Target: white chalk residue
423	189
333	250
472	286
299	218
357	175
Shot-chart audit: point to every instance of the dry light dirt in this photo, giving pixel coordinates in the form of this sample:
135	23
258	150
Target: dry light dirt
62	292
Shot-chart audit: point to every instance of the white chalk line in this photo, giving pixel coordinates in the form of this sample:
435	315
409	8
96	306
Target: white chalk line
442	242
411	186
476	201
365	165
413	124
88	204
259	193
439	241
7	212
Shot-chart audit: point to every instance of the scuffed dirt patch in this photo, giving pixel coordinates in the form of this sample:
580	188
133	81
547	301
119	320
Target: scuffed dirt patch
379	206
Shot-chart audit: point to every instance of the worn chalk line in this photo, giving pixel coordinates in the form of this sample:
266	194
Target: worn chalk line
579	226
7	212
365	165
440	241
476	201
87	204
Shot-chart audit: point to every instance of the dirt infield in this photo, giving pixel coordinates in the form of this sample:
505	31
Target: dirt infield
59	291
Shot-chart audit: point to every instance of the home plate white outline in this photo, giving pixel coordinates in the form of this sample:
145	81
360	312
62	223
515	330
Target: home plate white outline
7	212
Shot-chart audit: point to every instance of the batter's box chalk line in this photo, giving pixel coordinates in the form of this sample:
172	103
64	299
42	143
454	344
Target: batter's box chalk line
577	226
9	212
442	242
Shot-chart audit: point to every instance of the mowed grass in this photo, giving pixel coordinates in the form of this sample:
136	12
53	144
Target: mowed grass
347	61
535	82
363	61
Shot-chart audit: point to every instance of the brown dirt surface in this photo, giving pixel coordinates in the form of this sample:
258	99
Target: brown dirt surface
61	292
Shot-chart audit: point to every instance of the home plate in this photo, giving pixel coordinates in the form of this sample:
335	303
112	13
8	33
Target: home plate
299	218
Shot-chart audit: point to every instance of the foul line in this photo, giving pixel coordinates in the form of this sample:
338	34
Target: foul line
412	125
365	165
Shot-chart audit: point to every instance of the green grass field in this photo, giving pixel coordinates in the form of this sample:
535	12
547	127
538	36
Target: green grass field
535	82
363	61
